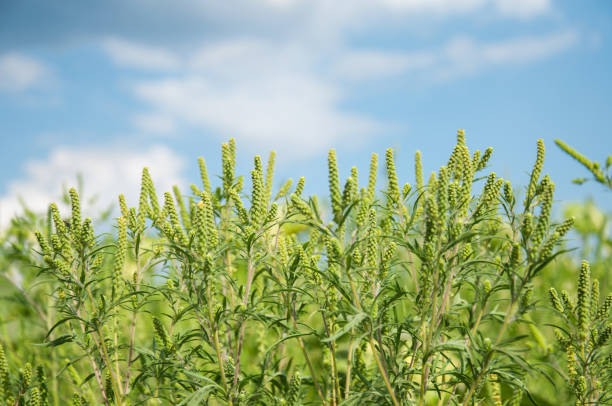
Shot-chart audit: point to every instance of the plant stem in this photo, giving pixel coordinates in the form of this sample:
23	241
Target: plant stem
373	346
306	357
489	357
215	333
133	323
349	364
245	302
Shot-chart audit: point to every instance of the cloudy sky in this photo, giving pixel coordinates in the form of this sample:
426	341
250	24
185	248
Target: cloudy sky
105	88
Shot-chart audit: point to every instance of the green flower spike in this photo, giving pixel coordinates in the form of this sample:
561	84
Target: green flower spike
282	192
584	300
269	175
372	175
204	175
75	224
120	254
123	206
393	192
535	173
334	185
418	170
299	188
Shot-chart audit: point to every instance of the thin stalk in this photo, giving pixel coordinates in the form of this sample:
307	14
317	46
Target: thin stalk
414	273
299	338
306	357
480	375
467	342
94	366
206	325
425	367
382	371
349	364
373	346
116	342
101	345
335	380
228	267
133	322
245	302
55	383
104	350
215	332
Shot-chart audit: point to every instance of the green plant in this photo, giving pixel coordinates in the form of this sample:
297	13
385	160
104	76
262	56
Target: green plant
584	335
22	388
403	295
594	167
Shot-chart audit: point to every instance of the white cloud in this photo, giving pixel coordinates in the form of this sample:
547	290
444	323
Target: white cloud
295	113
283	76
18	72
158	123
324	13
360	65
528	48
438	6
107	171
266	94
460	56
241	56
523	8
130	54
270	94
338	15
509	8
463	56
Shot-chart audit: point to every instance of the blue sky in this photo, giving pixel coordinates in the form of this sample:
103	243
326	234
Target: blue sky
105	89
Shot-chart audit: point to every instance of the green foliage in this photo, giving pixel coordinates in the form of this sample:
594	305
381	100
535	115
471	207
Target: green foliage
584	334
22	388
421	296
600	175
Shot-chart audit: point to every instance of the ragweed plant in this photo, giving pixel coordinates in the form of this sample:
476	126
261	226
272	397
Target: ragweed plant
406	293
600	174
26	387
584	336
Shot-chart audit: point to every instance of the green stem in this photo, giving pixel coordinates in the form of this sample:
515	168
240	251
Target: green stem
349	364
103	348
245	302
218	349
373	347
489	357
306	357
